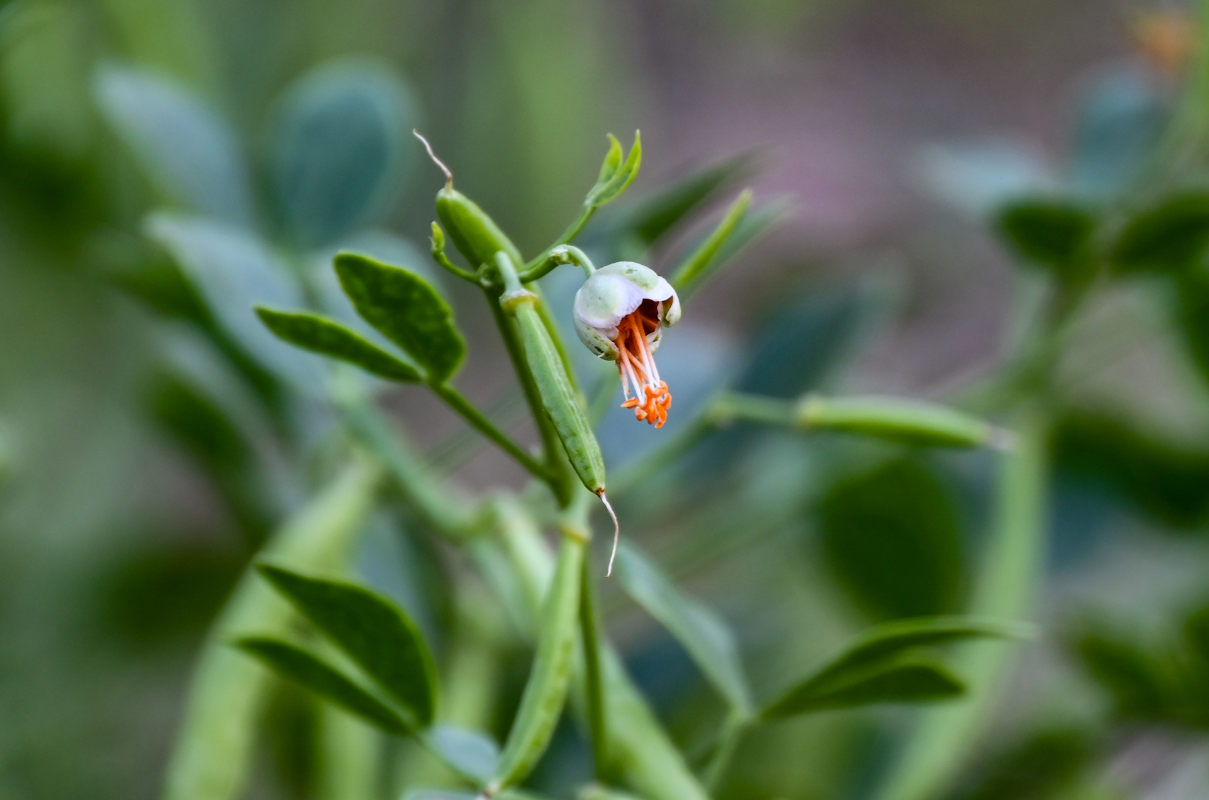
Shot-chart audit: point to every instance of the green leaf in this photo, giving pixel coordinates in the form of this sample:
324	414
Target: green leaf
694	267
338	149
909	679
1161	476
406	309
736	231
1138	679
233	271
892	539
187	151
295	664
1051	232
620	178
893	639
320	335
1165	237
653	216
372	631
706	638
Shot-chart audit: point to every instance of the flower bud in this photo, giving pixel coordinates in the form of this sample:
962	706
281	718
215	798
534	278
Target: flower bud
620	313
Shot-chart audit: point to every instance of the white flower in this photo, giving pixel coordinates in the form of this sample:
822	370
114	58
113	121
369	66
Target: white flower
620	313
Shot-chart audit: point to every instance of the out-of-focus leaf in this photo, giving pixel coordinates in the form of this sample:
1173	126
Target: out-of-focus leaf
909	679
726	242
470	751
337	149
44	64
295	664
1165	479
233	272
653	216
1040	766
1190	314
1133	675
372	631
706	638
1051	232
198	424
1119	121
892	539
187	150
406	309
976	177
1166	237
892	639
693	268
320	335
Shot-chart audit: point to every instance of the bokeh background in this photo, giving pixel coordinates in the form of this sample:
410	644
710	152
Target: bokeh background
133	489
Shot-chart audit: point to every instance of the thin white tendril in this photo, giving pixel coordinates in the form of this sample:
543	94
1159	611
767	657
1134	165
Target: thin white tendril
616	530
433	156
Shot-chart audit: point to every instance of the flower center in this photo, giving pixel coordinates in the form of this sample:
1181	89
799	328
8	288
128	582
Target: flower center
644	391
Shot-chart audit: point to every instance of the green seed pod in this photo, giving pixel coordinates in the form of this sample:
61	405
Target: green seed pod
563	403
546	692
474	234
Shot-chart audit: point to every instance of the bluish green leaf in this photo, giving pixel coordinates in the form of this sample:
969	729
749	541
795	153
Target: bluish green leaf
187	150
1052	232
1166	237
406	309
234	271
1120	119
295	664
706	638
320	335
337	149
372	631
473	753
892	539
904	680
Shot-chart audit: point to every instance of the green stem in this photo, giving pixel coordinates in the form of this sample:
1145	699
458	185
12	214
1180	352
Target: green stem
589	624
213	750
347	752
455	400
556	257
572	230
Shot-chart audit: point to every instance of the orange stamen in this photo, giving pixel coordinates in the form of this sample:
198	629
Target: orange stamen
645	391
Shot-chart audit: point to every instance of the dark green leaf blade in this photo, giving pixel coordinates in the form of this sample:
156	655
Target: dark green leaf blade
323	336
905	680
893	639
372	631
406	309
892	539
1167	236
705	637
1050	232
297	665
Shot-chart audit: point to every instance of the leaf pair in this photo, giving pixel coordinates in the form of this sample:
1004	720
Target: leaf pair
375	634
886	666
400	305
616	174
